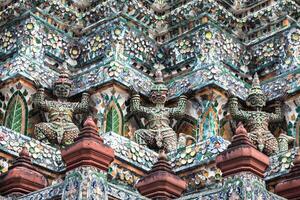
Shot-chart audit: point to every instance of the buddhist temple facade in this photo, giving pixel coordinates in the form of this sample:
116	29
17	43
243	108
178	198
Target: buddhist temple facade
149	99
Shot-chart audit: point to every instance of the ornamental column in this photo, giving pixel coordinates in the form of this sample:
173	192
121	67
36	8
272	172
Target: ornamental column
289	187
22	177
87	162
161	182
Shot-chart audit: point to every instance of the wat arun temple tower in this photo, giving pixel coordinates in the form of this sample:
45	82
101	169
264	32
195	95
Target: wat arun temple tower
149	99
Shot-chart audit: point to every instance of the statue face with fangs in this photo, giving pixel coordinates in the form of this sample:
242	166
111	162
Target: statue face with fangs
62	91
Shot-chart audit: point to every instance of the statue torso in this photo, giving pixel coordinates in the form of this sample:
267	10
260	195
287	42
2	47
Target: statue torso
157	118
257	120
61	111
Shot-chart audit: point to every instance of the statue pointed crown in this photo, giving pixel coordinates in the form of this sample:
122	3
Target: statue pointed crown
256	96
255	88
63	78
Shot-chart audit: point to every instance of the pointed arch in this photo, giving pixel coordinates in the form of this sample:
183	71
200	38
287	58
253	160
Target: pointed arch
114	118
16	115
208	124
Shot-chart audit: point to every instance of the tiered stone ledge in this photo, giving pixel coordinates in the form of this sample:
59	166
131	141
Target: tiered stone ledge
242	156
22	177
161	182
88	149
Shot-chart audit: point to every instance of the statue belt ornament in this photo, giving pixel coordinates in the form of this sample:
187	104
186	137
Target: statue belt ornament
161	130
158	119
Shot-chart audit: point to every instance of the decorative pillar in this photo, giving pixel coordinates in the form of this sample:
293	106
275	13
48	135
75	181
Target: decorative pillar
290	186
87	162
243	168
22	177
161	182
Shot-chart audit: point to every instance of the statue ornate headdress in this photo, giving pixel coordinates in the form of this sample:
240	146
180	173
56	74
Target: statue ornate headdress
63	79
159	90
256	97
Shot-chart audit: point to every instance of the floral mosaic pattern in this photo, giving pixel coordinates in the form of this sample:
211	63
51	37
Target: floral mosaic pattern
280	163
121	193
4	164
42	154
122	176
7	41
239	186
208	41
85	183
205	178
197	154
46	193
130	151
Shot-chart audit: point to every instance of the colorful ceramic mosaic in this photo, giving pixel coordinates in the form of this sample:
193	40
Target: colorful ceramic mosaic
130	151
205	178
110	51
122	176
42	154
4	164
280	163
197	154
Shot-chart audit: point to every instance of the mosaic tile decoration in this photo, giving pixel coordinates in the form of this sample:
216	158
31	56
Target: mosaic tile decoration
130	151
42	154
198	154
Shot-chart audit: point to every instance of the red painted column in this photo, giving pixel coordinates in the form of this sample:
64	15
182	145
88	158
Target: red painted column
161	182
242	156
22	177
289	187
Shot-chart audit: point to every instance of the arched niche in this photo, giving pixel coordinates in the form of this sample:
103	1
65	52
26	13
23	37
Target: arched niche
113	120
16	115
208	124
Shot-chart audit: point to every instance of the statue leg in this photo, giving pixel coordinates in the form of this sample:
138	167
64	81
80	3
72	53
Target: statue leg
42	132
169	141
254	139
69	135
70	132
271	144
145	137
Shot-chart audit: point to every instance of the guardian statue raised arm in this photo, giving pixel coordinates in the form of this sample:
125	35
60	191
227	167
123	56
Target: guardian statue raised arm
60	129
256	120
157	133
